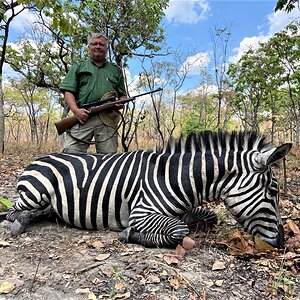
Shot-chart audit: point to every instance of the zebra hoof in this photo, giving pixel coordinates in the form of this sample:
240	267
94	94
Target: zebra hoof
126	234
20	224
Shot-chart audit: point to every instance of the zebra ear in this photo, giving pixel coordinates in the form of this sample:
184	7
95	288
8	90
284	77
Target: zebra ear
270	157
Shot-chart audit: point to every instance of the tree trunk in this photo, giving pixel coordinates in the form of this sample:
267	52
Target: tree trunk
4	38
2	128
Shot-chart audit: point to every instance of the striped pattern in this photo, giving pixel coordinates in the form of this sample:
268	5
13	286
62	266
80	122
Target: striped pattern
154	196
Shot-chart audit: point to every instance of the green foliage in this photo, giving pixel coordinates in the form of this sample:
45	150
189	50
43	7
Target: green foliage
30	107
38	62
199	113
115	279
192	125
47	55
5	204
54	9
266	81
124	23
24	95
287	5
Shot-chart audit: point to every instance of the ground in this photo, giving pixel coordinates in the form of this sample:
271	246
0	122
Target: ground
53	261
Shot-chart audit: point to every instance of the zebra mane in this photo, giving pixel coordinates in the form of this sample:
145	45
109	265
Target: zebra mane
240	140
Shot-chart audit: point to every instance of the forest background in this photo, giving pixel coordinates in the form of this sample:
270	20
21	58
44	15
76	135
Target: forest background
260	92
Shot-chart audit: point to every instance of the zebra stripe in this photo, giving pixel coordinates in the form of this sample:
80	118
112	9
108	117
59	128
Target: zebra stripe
155	196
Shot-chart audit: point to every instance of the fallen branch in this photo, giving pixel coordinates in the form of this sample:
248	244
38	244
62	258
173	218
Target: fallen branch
88	268
35	274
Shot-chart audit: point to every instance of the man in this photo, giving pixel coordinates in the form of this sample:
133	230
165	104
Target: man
86	82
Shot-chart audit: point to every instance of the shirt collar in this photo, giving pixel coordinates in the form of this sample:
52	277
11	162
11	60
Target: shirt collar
104	63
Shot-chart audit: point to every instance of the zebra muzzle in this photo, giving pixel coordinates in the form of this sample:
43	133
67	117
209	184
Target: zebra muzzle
280	237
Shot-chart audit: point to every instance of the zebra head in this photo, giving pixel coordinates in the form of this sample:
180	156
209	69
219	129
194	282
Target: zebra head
254	200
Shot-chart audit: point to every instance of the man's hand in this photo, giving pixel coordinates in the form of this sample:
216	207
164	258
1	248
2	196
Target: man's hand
81	114
120	105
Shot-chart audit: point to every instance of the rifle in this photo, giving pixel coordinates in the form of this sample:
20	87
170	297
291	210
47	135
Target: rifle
94	108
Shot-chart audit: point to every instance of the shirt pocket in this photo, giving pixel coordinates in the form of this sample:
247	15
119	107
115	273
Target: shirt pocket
113	80
84	81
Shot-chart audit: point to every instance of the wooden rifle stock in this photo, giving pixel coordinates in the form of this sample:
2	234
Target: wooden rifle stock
66	123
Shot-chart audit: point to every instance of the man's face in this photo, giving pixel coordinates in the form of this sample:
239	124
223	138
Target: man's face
98	49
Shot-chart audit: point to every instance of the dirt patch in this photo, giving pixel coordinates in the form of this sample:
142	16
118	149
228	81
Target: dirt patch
54	261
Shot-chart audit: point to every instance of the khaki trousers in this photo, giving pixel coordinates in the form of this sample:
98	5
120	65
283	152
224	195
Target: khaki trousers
106	137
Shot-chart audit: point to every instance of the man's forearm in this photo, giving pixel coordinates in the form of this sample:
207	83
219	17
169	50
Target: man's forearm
81	114
71	101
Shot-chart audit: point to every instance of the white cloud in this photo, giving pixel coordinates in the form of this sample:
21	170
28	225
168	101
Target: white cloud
194	64
245	45
23	21
204	89
276	22
187	11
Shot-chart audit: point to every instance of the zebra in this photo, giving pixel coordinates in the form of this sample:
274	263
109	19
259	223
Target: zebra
153	197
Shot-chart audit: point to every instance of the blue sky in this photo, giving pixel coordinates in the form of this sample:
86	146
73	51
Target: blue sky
189	24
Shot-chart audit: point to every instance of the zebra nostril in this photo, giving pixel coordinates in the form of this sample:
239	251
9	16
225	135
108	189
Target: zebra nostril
280	236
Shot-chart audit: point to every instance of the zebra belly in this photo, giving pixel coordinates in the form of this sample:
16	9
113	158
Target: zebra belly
82	199
76	207
92	213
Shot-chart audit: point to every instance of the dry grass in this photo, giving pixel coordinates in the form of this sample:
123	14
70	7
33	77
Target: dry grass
17	148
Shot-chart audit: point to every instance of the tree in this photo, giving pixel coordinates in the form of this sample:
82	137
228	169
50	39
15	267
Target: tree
9	10
199	111
121	21
7	14
220	41
130	25
251	88
29	111
13	112
35	102
267	79
287	5
284	51
169	75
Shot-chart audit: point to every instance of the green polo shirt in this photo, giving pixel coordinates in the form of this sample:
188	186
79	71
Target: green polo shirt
89	82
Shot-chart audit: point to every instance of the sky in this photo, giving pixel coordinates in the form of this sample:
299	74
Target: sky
189	24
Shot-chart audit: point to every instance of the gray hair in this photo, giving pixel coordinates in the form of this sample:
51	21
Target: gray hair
97	35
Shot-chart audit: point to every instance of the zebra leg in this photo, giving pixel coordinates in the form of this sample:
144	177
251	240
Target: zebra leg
155	230
26	208
22	218
20	221
200	218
